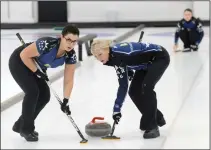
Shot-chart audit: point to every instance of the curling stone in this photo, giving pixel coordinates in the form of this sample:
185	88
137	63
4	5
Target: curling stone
98	129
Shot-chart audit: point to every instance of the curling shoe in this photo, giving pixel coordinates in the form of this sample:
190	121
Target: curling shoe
30	137
15	128
160	122
149	134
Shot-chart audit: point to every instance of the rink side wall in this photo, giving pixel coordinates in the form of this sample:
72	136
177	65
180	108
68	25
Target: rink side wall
94	14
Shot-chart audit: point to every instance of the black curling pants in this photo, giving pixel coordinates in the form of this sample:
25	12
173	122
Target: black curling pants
37	93
189	37
142	92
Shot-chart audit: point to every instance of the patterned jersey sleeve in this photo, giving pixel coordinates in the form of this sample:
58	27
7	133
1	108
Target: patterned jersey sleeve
71	57
44	44
200	30
178	29
121	72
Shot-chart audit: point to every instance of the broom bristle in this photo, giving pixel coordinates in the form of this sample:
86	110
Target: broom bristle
110	138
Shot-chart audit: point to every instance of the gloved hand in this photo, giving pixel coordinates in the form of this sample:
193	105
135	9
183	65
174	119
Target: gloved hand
130	75
44	70
117	116
65	106
41	75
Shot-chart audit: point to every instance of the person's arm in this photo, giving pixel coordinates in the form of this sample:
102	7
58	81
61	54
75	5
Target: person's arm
69	71
200	31
68	80
121	72
27	56
35	49
176	35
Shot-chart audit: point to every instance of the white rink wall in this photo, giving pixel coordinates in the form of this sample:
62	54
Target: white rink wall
94	11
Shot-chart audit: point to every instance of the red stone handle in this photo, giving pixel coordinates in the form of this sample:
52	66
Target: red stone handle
97	118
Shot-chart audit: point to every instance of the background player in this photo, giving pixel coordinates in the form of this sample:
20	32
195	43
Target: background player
49	53
190	31
150	62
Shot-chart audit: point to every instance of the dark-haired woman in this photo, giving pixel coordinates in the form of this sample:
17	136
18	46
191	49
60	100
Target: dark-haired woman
190	31
48	52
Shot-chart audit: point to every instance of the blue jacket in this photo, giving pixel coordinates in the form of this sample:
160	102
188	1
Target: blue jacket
194	24
48	48
130	56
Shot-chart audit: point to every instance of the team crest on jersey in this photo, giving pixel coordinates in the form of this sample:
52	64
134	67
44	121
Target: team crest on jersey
47	45
43	45
47	65
124	44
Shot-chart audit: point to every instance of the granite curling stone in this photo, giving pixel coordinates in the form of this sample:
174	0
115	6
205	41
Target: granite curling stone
98	129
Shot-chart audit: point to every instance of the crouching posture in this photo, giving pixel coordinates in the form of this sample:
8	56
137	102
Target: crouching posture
49	52
149	62
190	31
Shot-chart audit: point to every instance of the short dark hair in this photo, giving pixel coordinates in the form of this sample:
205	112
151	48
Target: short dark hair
188	9
70	29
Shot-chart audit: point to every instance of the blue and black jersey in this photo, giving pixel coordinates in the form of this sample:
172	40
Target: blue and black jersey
48	48
130	56
192	25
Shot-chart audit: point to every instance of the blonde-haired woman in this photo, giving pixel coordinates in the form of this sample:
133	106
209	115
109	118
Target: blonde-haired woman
149	62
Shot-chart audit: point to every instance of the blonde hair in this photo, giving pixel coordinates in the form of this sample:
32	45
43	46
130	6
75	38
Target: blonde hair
100	45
